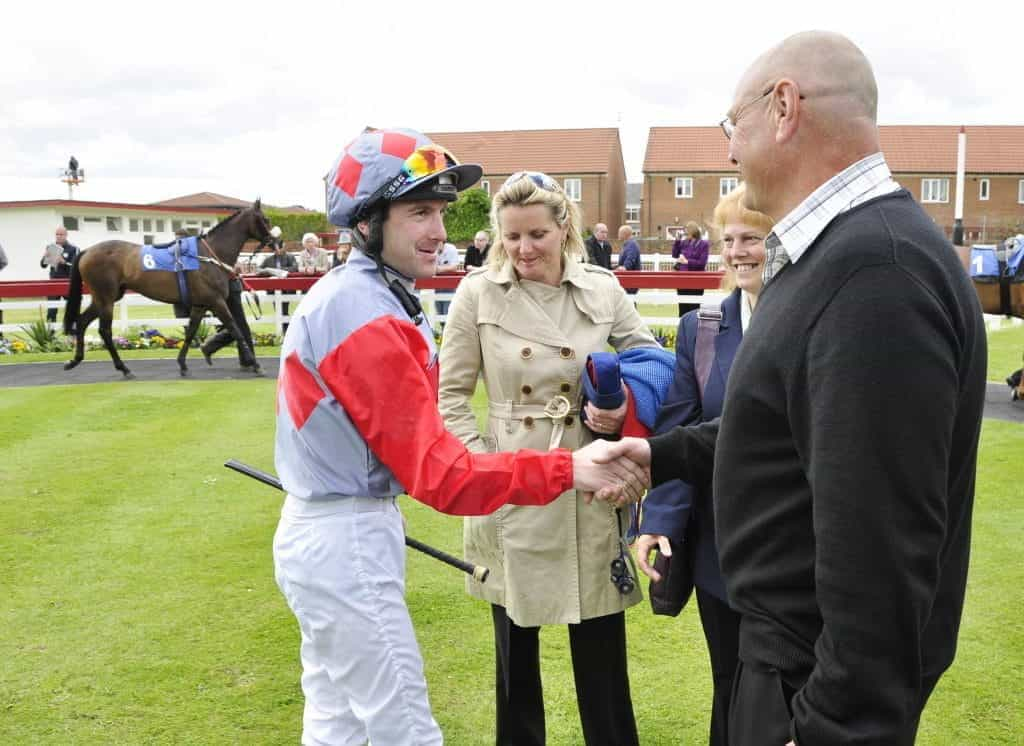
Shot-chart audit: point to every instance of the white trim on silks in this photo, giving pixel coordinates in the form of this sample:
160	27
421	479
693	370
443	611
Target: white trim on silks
341	566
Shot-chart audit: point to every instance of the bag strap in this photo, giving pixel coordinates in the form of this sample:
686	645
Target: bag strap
709	319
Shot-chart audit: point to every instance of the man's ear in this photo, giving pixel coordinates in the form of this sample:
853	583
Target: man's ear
785	103
364	228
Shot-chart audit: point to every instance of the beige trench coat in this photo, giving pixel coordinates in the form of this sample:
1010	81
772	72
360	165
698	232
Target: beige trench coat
551	564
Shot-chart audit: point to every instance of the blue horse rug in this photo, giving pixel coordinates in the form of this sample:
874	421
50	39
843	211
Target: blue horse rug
179	256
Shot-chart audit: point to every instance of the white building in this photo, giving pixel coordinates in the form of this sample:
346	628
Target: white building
27	227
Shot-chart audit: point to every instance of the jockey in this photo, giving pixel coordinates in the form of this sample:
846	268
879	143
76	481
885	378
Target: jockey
357	424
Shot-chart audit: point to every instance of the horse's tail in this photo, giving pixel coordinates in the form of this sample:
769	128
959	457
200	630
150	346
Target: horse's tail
74	303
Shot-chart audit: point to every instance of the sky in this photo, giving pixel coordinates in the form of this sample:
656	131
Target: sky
257	99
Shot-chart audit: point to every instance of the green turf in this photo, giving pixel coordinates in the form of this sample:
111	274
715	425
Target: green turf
1005	351
138	603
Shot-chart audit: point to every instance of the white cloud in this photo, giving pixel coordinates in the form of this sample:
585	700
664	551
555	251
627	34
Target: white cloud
256	99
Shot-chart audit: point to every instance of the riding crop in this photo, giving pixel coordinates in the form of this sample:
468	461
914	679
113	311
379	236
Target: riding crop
478	572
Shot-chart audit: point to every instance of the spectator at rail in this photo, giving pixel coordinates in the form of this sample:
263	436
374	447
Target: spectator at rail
691	255
283	261
476	253
629	256
313	260
59	257
343	250
447	262
599	248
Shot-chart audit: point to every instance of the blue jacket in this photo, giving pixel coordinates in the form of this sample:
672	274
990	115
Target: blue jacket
676	509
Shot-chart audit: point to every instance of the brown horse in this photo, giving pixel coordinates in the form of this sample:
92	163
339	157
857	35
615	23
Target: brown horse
1004	297
111	267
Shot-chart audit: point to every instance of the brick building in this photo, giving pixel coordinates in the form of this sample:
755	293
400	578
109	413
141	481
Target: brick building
687	169
587	162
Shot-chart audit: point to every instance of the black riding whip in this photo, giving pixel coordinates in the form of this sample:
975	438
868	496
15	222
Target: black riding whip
478	572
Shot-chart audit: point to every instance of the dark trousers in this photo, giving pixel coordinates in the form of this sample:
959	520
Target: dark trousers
51	313
760	711
598	649
684	308
722	633
224	337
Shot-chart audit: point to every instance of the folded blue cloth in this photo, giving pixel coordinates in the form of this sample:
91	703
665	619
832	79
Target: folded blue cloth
646	370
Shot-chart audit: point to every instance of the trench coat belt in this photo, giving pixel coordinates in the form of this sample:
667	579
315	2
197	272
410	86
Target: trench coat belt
556	409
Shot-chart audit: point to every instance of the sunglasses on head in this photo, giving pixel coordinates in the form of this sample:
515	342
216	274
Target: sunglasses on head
541	180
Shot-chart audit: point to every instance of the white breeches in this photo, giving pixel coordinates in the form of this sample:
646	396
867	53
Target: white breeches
341	567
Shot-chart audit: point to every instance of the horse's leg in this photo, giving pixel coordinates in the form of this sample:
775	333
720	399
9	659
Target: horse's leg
106	323
193	324
220	308
87	317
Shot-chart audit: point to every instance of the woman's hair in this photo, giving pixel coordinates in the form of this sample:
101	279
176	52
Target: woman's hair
525	191
311	236
730	209
693	231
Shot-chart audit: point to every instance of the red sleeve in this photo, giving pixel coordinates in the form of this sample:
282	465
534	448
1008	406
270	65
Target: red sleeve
381	376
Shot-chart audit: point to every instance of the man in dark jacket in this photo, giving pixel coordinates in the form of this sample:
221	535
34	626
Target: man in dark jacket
844	461
58	256
599	248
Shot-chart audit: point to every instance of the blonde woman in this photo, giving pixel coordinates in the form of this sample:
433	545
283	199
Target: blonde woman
678	515
527	321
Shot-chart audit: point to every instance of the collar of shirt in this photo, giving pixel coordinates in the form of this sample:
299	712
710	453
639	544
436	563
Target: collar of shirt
866	179
746	309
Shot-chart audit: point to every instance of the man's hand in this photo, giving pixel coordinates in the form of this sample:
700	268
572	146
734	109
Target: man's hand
607	421
644	545
616	479
636	450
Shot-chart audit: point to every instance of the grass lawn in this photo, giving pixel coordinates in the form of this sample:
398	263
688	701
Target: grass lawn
139	607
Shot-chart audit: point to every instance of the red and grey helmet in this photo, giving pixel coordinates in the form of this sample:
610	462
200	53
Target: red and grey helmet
392	165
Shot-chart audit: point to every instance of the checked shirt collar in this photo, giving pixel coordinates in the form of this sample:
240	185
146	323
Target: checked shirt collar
866	179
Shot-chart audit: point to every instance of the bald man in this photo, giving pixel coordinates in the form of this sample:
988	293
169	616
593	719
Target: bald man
599	248
844	461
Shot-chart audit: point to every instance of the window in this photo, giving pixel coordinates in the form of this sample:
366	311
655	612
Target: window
93	220
113	224
159	225
727	184
573	189
133	225
684	187
935	190
147	239
175	225
486	186
147	225
206	224
632	214
983	187
1020	191
70	222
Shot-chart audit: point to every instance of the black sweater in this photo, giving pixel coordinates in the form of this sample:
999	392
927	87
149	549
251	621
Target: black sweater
844	471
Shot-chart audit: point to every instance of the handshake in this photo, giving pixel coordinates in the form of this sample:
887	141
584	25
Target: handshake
615	472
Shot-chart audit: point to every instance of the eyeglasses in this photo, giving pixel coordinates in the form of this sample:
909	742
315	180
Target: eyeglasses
728	124
425	161
542	180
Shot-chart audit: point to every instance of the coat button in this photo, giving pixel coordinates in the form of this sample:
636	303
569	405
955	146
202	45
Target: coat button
568	421
527	389
565	388
527	421
566	352
526	352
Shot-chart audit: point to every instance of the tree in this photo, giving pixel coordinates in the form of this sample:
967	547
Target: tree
467	215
